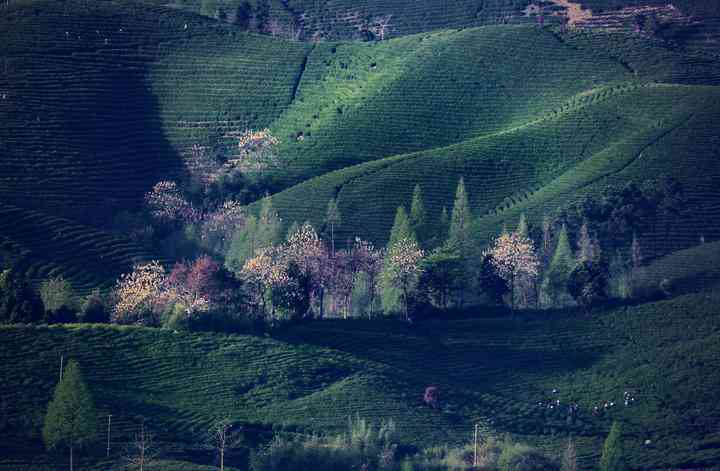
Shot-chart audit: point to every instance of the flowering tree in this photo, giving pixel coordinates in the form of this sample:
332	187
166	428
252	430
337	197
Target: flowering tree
194	286
306	250
514	256
263	272
219	226
167	204
368	260
256	151
136	294
404	269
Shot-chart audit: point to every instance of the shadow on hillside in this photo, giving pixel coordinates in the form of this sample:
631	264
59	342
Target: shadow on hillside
467	352
94	141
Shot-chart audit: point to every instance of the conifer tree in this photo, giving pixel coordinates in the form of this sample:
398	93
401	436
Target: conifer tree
588	247
461	221
522	228
460	237
612	458
401	230
562	264
269	225
71	419
332	220
418	216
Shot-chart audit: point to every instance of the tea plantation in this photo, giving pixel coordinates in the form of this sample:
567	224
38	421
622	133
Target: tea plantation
100	100
495	371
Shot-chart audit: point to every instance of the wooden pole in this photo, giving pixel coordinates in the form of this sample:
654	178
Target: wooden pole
475	455
108	436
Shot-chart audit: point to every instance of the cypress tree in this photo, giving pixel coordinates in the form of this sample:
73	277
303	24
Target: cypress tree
71	419
522	228
460	238
555	282
588	247
401	230
612	458
417	215
460	222
332	219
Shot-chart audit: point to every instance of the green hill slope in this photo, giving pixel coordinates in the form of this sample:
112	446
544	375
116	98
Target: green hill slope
489	370
604	136
97	106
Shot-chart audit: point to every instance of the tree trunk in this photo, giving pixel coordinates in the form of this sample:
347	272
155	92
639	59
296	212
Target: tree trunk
512	296
71	458
222	459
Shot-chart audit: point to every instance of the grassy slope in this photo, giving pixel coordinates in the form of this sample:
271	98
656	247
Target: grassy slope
87	127
492	370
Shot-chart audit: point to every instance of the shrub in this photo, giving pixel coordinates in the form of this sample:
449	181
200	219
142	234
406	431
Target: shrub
94	309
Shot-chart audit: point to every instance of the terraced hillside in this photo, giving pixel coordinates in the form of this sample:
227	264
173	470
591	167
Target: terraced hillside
495	371
97	106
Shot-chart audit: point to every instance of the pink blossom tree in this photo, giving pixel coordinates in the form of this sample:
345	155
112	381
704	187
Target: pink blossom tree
167	204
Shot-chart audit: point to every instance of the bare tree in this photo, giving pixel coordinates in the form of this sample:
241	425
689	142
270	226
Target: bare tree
221	438
380	26
141	450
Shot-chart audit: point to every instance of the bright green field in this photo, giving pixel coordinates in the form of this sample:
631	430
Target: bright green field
490	370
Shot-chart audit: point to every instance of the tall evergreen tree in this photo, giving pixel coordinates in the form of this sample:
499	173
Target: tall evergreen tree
563	261
332	220
401	230
71	419
418	216
613	458
588	247
459	234
258	233
523	228
460	238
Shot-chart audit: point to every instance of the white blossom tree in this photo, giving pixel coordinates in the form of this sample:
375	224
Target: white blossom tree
514	256
404	269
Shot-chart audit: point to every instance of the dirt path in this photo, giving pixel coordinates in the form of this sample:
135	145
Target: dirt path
575	12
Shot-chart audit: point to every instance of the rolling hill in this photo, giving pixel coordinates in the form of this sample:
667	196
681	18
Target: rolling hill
97	107
494	371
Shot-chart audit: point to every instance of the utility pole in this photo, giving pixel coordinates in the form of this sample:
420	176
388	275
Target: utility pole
108	436
476	461
61	366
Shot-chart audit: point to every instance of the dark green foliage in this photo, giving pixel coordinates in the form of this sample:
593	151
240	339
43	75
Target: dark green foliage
562	264
442	274
95	308
262	15
18	301
588	283
363	446
244	15
613	455
492	284
418	217
71	419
